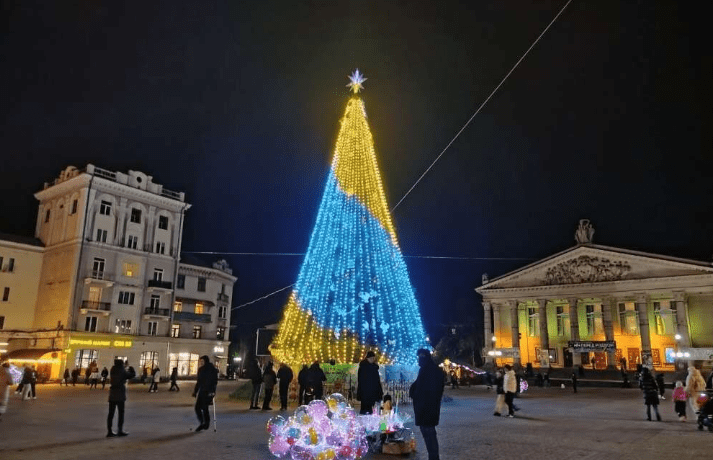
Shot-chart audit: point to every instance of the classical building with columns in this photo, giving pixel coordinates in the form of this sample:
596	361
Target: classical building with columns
600	306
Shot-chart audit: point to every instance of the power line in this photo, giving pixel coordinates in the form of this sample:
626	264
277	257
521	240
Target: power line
481	106
262	298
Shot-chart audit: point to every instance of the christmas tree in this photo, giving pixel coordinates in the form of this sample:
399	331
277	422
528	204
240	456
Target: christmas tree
353	291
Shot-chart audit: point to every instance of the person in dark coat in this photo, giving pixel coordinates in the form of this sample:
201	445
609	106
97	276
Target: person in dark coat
369	389
174	378
75	376
65	377
255	375
661	384
269	379
302	381
204	391
285	376
87	374
315	377
426	393
651	395
574	382
104	374
119	374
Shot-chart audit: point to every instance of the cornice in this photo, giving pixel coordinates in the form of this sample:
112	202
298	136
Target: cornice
140	195
76	183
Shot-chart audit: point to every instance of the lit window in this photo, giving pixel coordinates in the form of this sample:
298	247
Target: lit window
533	322
131	270
177	306
122	326
560	321
199	309
148	360
175	330
220	335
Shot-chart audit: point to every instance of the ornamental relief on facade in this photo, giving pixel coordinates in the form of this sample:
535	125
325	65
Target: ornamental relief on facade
586	269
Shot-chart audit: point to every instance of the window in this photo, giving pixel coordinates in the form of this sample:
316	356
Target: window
181	282
83	358
47	216
98	268
560	321
594	320
74	206
10	265
163	222
126	298
160	248
90	324
136	215
101	235
105	208
197	332
666	321
187	363
158	274
2	322
155	301
628	319
175	330
177	305
199	308
148	359
533	322
122	326
5	294
131	270
220	334
201	284
152	327
132	242
222	311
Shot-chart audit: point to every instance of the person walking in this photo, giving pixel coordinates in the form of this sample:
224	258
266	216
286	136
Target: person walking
155	378
174	379
104	375
679	401
28	376
285	375
651	394
574	382
269	379
144	375
75	376
302	382
87	375
94	378
118	374
315	379
426	393
661	384
5	384
255	375
500	394
369	389
510	387
204	391
695	385
65	378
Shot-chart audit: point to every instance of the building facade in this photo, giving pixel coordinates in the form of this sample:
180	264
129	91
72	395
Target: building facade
109	278
600	307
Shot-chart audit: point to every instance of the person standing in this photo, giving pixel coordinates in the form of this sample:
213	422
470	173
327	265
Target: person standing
174	379
694	386
75	376
574	382
255	375
269	379
144	375
651	393
661	384
204	391
369	389
94	378
679	401
5	384
500	392
65	378
119	374
87	375
285	376
26	383
302	381
426	393
104	374
315	379
510	387
155	378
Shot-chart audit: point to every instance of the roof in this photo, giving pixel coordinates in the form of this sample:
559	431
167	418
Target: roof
190	259
28	240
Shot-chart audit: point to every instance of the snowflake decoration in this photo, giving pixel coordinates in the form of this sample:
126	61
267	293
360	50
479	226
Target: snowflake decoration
356	81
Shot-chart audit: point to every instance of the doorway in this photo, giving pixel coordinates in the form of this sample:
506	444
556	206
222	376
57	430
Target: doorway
634	357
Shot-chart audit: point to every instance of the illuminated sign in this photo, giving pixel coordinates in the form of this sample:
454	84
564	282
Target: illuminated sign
115	343
218	349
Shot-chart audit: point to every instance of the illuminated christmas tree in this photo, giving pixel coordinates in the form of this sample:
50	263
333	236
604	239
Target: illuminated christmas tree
353	292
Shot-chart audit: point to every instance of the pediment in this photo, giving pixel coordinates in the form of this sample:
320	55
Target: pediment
597	264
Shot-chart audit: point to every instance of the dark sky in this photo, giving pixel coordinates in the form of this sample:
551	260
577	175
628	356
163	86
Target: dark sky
608	118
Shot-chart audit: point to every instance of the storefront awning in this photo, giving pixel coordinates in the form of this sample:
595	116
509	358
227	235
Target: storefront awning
33	354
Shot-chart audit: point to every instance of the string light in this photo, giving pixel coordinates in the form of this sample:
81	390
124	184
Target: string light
353	292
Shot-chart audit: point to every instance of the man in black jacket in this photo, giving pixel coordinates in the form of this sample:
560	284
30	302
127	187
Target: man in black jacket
426	393
285	376
302	381
369	389
204	391
117	395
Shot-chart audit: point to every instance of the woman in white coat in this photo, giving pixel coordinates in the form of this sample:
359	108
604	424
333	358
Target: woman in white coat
695	385
510	387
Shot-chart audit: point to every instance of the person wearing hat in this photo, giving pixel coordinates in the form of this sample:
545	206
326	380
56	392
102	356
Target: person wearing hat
369	389
204	391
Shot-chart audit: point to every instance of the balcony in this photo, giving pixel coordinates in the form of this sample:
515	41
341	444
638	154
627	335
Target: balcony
98	277
191	317
167	285
223	297
151	311
90	305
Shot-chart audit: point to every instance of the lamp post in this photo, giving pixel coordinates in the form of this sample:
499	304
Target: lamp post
238	362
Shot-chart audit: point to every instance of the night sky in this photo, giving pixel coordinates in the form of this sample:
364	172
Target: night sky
238	105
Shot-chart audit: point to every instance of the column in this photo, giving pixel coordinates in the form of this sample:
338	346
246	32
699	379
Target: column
544	335
607	319
679	300
643	313
487	328
149	229
515	329
496	327
574	328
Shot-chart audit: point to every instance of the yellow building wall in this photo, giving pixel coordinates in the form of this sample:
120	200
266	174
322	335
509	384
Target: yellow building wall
56	287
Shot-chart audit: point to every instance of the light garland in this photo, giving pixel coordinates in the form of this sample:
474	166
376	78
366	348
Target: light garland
353	292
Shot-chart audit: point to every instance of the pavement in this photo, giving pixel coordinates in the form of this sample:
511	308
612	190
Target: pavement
595	423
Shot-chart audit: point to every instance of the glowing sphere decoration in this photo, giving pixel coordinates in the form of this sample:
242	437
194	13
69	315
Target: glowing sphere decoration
15	373
353	291
321	430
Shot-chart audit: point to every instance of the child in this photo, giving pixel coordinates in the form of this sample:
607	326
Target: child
386	405
679	400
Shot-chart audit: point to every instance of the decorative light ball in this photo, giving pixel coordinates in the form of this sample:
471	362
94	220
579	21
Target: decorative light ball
318	408
294	432
275	425
279	447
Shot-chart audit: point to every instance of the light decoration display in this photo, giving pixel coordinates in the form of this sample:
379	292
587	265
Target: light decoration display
322	430
392	420
353	292
15	373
